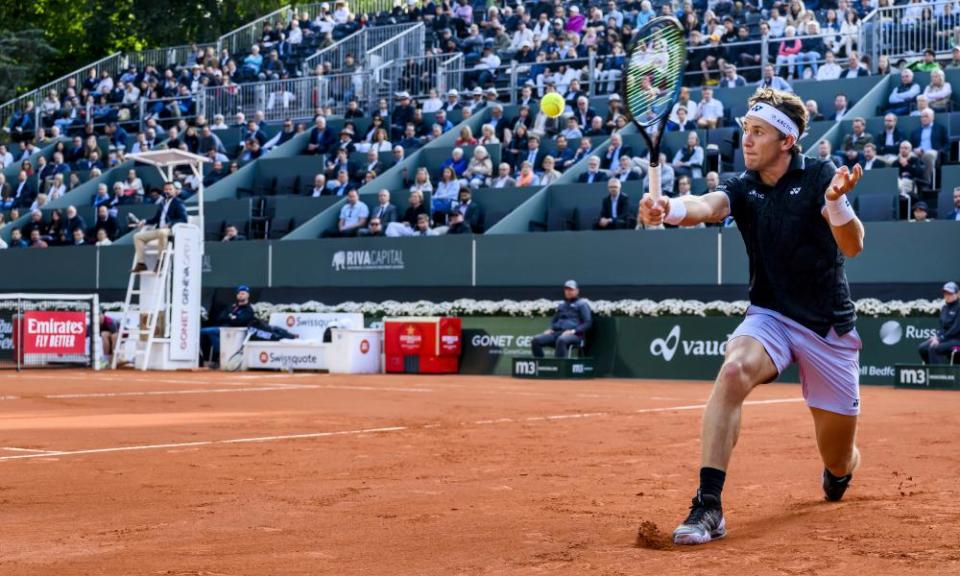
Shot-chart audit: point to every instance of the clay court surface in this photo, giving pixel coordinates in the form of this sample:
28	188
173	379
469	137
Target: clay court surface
132	473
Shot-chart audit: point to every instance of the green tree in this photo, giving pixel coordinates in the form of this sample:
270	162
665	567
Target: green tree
23	56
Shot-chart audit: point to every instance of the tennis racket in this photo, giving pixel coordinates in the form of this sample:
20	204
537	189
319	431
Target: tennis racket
235	361
652	78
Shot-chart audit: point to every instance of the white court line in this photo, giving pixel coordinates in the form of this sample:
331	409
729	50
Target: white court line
14	449
262	439
281	388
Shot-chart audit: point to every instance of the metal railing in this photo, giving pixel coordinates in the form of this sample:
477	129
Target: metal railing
279	99
418	76
408	43
169	108
240	40
358	44
371	6
906	31
185	55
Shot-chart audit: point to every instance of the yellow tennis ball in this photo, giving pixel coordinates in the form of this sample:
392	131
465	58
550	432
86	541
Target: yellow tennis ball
552	104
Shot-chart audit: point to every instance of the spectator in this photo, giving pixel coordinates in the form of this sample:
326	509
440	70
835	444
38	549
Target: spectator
813	111
456	161
955	59
353	217
102	239
683	101
16	239
432	103
870	160
456	224
319	186
570	323
839	107
929	141
231	234
928	63
683	124
938	92
824	152
904	94
689	159
920	212
615	208
74	221
527	176
572	129
170	212
614	152
937	348
36	241
854	69
730	77
667	175
384	212
910	171
503	179
830	70
888	141
35	223
466	137
954	215
479	169
375	228
488	135
239	315
550	174
105	222
625	170
812	49
78	238
922	104
593	173
709	111
57	188
471	211
787	53
447	189
854	142
342	186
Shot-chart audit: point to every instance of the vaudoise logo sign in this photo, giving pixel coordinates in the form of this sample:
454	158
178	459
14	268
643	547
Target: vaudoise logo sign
673	343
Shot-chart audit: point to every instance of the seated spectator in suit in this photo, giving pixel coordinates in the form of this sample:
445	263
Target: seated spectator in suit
596	127
813	111
321	139
870	159
625	170
74	221
709	111
937	348
22	192
78	238
472	212
384	213
920	212
615	150
825	152
36	223
319	187
615	209
939	91
854	68
904	94
550	174
16	239
503	179
888	141
854	142
569	325
230	234
954	215
689	159
929	141
375	228
840	107
169	213
593	173
353	217
682	123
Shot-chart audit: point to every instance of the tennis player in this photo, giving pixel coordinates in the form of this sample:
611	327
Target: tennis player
798	227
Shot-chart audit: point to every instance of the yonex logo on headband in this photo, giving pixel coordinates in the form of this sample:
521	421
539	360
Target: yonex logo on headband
774	117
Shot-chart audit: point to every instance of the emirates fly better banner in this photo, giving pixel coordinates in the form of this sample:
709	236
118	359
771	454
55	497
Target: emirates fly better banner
54	332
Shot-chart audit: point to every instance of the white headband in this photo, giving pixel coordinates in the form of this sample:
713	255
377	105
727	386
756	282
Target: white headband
775	118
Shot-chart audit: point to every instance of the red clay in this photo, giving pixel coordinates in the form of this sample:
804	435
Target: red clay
469	477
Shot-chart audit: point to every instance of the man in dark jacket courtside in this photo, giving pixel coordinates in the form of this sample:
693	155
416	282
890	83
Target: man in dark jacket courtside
569	325
937	348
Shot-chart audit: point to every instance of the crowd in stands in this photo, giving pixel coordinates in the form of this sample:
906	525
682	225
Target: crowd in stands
97	122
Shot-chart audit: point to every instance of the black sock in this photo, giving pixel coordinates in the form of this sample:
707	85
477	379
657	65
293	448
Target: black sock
834	479
711	481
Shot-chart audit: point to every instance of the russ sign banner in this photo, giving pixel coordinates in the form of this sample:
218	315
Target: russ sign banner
54	332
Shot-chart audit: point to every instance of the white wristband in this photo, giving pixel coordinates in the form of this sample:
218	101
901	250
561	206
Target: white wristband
840	211
678	211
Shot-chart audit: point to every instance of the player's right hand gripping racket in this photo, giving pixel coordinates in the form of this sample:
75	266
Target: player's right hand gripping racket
652	78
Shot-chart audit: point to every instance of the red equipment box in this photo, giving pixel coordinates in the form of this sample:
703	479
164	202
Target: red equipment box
422	345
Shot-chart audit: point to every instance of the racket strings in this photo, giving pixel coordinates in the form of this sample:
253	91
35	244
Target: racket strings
654	73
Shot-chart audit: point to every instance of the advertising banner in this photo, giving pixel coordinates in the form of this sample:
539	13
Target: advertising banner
185	295
313	325
54	332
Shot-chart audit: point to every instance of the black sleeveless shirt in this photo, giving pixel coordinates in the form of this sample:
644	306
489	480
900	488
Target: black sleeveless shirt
796	267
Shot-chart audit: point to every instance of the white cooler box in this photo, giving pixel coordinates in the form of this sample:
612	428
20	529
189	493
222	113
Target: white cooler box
355	351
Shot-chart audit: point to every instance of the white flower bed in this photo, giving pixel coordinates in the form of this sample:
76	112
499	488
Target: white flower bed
868	307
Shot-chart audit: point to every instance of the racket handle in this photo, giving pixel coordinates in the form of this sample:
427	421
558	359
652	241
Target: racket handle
654	177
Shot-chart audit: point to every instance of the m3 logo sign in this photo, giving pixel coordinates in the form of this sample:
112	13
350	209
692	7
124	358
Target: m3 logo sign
525	368
913	376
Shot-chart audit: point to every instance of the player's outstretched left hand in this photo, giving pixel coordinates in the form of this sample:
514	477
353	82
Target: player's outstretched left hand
843	181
